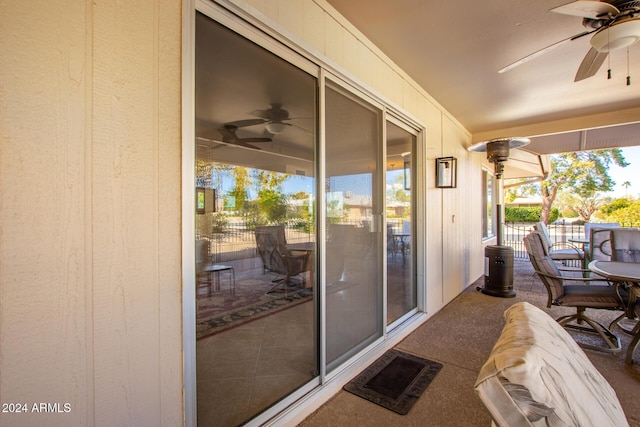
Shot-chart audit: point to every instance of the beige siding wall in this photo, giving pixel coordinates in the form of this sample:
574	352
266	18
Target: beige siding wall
90	280
90	300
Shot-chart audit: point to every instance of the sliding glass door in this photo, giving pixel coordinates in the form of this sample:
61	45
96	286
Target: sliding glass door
289	288
400	228
354	233
255	145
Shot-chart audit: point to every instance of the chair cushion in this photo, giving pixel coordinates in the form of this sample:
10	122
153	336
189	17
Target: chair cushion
562	254
626	255
625	245
544	263
593	296
537	375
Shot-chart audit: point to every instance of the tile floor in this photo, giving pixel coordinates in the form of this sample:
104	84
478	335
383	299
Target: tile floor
246	369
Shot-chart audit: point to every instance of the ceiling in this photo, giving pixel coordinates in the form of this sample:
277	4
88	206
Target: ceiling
455	49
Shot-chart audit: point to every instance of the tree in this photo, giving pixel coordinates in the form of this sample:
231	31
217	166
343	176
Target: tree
272	202
614	205
629	215
585	172
239	192
626	186
584	207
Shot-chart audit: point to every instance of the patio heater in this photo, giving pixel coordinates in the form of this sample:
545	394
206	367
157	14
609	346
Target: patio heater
498	279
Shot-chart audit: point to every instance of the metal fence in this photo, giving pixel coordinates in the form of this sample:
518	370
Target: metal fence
237	241
514	232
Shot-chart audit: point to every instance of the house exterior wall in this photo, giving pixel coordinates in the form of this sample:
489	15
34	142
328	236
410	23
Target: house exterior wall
90	282
90	200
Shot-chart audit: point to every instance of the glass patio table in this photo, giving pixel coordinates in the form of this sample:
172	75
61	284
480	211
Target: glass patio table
627	273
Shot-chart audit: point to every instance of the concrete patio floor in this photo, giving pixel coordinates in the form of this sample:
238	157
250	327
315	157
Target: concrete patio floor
461	337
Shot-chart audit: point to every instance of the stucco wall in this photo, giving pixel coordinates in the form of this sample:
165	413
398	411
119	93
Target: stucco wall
90	226
90	175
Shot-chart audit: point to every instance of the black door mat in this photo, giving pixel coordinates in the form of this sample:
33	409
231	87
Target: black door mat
395	381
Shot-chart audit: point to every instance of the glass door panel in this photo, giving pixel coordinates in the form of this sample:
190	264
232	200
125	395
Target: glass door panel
256	317
401	283
354	234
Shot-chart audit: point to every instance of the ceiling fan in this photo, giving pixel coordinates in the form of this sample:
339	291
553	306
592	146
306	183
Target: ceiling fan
229	136
615	24
275	117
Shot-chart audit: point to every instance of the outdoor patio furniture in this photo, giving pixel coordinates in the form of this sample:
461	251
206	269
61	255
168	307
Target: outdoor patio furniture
625	245
536	375
562	292
599	245
277	258
559	251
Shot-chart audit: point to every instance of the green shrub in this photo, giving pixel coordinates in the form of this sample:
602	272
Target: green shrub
528	214
629	215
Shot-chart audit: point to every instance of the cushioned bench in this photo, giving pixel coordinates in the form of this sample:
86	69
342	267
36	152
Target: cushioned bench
537	375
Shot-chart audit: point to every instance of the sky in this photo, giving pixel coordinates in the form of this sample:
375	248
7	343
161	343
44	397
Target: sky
630	173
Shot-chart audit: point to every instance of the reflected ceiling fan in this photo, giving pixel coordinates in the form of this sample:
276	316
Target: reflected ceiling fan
229	136
275	117
615	24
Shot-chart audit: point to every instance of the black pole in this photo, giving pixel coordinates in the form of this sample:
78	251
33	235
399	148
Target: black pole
499	169
499	231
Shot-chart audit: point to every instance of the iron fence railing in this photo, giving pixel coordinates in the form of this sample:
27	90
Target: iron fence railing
237	240
560	232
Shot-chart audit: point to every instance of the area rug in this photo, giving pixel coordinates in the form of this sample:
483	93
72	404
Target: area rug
222	310
395	381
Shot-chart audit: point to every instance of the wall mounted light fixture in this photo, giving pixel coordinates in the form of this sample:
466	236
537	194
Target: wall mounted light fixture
446	172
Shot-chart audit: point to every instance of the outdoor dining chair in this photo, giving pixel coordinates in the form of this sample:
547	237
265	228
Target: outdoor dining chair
625	245
277	258
559	251
563	292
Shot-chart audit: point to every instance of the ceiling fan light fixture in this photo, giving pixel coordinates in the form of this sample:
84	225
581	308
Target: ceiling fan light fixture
617	36
276	128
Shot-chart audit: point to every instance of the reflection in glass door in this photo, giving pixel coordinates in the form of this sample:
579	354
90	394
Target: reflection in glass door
400	227
353	265
256	317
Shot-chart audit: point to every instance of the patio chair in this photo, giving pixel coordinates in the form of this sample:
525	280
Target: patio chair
625	245
277	258
589	225
559	251
562	293
203	260
636	329
392	244
406	237
599	245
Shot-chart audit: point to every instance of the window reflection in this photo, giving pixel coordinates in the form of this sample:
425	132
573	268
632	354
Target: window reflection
401	284
255	227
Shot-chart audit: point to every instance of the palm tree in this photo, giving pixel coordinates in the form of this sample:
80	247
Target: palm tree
626	186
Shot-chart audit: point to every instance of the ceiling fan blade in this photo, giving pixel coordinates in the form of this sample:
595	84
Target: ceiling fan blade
543	51
590	64
307	131
243	144
587	9
246	122
255	140
264	115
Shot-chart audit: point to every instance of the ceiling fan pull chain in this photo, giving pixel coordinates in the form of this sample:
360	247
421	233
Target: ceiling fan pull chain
628	72
609	54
